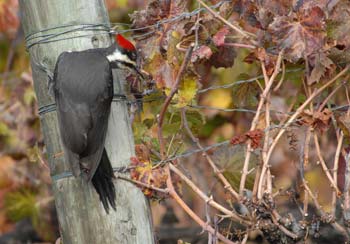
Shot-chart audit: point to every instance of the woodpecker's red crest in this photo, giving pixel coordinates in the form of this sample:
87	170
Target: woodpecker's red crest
123	54
124	43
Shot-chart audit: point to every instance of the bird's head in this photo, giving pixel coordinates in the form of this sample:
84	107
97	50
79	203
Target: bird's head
124	54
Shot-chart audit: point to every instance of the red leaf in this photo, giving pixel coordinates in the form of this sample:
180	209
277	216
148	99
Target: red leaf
203	52
219	37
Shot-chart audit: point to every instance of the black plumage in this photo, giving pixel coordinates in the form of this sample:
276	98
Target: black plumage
83	89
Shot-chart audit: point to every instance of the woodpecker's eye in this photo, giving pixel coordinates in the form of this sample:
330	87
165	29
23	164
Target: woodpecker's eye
133	56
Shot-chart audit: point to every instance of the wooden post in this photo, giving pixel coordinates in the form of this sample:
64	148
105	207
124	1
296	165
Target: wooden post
81	216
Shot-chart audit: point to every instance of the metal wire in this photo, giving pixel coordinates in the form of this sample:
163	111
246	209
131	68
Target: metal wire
68	174
216	145
52	106
239	82
47	38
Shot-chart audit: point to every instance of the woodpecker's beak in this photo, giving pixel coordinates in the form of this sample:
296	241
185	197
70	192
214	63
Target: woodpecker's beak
143	74
139	72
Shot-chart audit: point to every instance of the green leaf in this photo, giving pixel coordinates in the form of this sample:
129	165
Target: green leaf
33	154
195	119
230	160
171	129
187	91
4	129
122	3
140	131
29	96
21	204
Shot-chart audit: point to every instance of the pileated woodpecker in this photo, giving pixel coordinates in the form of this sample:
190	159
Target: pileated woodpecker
83	90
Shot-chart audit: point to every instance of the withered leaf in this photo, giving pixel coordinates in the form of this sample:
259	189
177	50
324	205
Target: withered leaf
144	172
161	58
155	11
219	37
203	52
339	24
318	120
320	66
255	136
142	152
247	10
277	7
223	58
260	54
299	34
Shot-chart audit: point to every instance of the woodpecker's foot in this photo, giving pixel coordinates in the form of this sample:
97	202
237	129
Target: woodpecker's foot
58	155
85	170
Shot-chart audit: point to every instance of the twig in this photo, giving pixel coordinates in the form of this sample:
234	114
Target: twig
347	183
235	28
44	202
324	166
282	78
208	200
266	140
245	239
335	224
170	97
302	107
217	172
329	97
307	145
313	197
189	211
149	186
335	194
255	122
275	218
240	45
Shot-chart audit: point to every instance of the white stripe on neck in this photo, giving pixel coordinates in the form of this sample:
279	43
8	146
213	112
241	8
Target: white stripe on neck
117	56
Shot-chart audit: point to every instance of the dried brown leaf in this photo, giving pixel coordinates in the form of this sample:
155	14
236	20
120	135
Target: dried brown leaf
223	58
268	59
299	34
320	66
255	137
339	26
144	172
318	120
159	48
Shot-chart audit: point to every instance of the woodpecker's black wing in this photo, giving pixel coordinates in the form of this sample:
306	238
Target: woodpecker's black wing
83	87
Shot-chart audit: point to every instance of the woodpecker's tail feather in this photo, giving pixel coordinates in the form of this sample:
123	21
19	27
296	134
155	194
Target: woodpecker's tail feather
103	182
